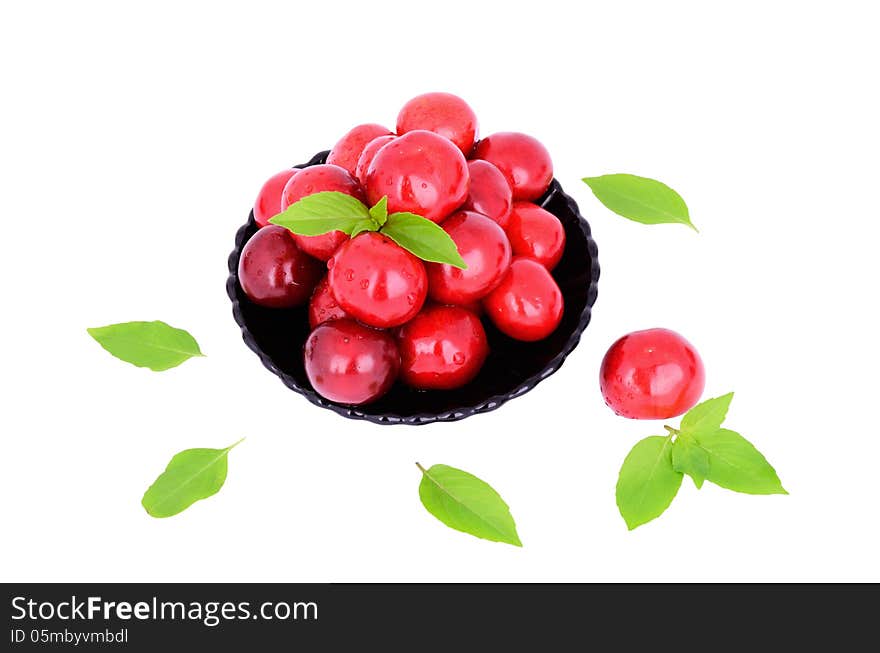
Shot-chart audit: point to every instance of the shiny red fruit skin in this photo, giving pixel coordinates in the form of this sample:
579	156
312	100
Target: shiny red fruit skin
274	272
348	149
323	306
522	159
268	203
528	304
489	192
442	113
441	348
369	153
350	363
315	179
652	374
376	281
536	233
421	173
485	249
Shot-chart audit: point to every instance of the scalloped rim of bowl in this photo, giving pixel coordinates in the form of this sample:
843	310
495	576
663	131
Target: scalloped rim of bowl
485	406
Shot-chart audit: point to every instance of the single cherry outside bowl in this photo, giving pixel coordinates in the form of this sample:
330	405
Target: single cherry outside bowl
512	368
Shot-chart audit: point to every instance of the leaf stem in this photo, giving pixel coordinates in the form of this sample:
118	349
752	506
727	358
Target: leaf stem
671	430
233	446
421	468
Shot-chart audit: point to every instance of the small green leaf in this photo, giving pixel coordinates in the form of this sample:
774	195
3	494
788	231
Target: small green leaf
191	475
424	238
647	483
322	213
707	416
155	345
735	464
691	459
640	199
379	211
362	226
465	503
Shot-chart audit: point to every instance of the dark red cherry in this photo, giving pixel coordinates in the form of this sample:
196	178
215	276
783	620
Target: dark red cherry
442	113
441	348
323	306
536	233
652	374
274	272
528	304
376	281
315	179
350	363
369	153
522	159
486	251
489	192
348	149
421	173
268	203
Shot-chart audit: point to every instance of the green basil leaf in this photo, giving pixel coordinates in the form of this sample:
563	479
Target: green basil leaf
322	213
647	483
706	417
465	503
362	226
690	458
640	199
379	212
424	238
191	475
735	464
155	345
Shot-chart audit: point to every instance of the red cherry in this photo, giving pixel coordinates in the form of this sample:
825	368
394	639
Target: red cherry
524	161
274	272
421	173
315	179
652	374
350	363
323	306
528	304
441	348
489	193
269	198
376	281
536	233
441	113
486	252
348	149
369	153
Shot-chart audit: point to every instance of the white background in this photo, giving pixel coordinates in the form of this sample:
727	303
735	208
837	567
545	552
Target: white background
135	137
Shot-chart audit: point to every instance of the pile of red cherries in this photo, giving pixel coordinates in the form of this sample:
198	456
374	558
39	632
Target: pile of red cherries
377	312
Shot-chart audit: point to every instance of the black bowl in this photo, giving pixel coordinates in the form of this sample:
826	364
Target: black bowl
512	368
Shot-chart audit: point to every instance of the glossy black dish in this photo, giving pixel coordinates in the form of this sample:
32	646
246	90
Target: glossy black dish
512	368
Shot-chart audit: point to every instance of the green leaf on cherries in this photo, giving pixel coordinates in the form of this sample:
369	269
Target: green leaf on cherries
706	416
322	213
155	345
379	212
424	238
192	475
690	458
464	502
647	483
640	199
735	464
